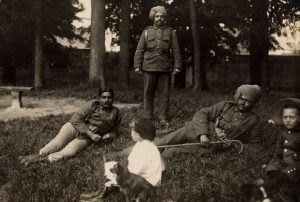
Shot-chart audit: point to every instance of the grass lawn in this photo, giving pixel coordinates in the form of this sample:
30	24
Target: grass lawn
209	177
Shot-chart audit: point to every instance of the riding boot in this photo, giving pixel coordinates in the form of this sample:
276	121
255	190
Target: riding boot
29	159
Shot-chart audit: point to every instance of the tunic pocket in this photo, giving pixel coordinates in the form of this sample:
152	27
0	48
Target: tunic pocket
151	42
166	40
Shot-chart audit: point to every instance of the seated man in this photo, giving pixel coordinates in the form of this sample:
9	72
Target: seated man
230	119
97	121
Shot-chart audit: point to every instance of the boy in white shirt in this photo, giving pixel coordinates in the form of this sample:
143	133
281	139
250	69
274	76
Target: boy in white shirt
144	159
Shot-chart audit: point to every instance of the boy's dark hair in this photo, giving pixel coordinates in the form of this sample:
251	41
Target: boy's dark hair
145	128
290	106
107	89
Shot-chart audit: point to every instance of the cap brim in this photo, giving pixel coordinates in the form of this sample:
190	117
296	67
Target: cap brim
276	109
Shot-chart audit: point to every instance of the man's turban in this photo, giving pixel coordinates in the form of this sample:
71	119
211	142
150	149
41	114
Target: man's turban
250	92
159	9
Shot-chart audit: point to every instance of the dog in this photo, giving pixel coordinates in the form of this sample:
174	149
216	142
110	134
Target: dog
132	185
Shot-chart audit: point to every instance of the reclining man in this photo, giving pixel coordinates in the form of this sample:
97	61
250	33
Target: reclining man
96	121
230	119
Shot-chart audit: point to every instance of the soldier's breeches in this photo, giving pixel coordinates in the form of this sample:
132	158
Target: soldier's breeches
159	81
65	144
176	137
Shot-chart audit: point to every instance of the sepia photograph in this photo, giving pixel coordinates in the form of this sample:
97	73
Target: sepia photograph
150	100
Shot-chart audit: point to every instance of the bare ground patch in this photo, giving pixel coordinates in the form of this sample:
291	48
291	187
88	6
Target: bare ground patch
36	107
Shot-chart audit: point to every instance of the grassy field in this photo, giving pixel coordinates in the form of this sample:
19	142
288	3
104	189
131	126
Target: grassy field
209	177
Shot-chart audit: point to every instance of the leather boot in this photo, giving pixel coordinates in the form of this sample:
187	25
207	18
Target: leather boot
29	159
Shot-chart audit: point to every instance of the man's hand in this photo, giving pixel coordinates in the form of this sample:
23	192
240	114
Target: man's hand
106	136
220	132
204	141
138	71
176	71
95	137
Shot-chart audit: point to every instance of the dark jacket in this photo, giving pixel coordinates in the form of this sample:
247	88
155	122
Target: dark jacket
93	117
225	116
158	50
287	154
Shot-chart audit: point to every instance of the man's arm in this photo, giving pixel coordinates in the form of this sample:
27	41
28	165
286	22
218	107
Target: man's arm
139	53
115	127
93	136
78	118
202	118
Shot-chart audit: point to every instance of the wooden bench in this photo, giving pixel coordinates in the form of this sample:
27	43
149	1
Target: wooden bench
16	93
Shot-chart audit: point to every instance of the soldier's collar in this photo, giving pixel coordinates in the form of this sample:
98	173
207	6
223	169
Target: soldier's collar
156	27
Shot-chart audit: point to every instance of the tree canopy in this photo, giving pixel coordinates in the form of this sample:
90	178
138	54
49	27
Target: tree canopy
17	28
222	24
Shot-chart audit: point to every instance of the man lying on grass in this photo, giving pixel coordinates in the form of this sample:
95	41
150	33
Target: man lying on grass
97	121
230	119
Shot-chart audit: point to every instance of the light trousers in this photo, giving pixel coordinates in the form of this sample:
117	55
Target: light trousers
65	144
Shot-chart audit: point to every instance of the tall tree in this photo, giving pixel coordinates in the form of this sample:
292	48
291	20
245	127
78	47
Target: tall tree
222	25
38	53
259	40
261	20
15	38
97	44
18	47
124	55
196	46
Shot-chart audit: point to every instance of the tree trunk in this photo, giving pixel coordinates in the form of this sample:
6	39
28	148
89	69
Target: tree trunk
196	46
259	43
124	55
38	42
97	44
203	65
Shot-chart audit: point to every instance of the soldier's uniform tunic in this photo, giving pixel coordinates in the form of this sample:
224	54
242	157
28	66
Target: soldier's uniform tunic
287	154
157	54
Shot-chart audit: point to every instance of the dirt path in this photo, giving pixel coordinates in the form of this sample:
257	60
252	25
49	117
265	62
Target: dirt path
36	107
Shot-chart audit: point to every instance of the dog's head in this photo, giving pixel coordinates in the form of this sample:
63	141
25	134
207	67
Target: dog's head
120	168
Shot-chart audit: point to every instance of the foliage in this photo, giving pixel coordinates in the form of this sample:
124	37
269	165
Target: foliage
280	14
209	177
222	24
15	36
17	31
216	42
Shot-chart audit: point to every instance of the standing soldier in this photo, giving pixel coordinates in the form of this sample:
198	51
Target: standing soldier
157	55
